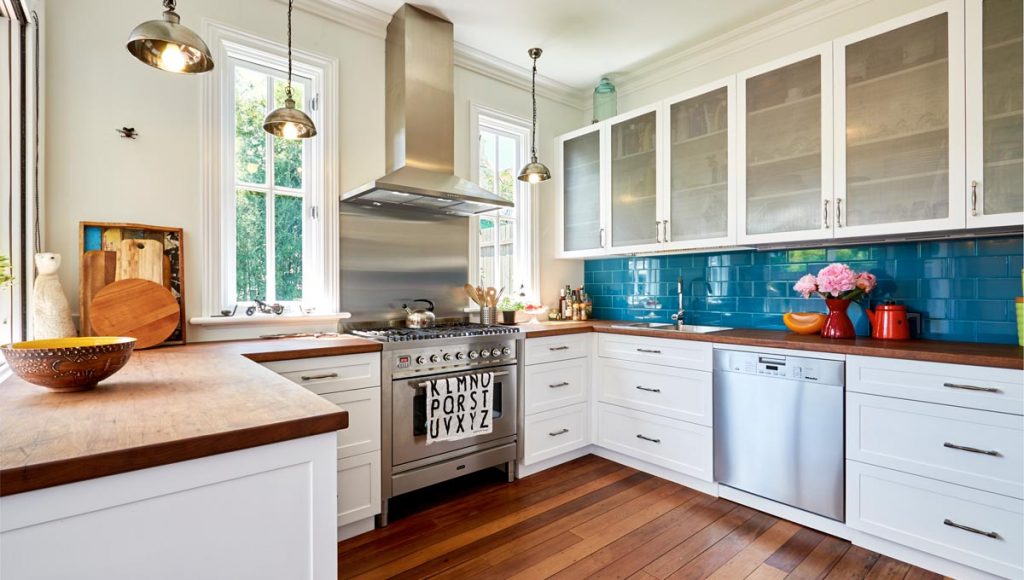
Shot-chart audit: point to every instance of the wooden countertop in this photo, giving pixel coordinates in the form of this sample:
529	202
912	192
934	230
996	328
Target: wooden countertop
166	405
967	353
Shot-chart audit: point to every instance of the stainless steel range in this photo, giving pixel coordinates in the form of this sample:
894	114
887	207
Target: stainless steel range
411	358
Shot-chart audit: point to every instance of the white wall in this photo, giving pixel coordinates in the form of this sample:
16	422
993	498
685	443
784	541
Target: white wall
94	86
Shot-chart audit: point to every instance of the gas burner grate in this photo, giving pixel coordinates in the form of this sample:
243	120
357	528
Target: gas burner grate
391	334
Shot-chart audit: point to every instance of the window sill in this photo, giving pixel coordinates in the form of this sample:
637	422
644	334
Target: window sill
268	320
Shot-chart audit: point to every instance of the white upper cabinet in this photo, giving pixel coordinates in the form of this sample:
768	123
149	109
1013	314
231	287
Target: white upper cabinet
700	196
784	157
634	171
581	172
995	98
899	115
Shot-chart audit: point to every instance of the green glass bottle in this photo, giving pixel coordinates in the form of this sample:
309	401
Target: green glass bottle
605	100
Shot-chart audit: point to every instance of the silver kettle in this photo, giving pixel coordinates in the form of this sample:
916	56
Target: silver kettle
421	317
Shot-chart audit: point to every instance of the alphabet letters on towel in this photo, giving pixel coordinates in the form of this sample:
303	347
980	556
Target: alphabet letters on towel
459	407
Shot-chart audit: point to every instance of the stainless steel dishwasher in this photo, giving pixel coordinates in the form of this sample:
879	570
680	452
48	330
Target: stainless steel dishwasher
779	428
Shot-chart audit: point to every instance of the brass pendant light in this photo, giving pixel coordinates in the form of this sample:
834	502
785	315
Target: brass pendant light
288	122
167	45
534	171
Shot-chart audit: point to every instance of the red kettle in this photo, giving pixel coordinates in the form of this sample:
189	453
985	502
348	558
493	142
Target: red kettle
889	321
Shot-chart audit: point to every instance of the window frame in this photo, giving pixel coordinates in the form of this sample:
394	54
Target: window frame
320	233
525	237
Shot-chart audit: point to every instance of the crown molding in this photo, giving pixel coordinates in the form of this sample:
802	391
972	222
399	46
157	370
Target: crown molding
787	20
351	13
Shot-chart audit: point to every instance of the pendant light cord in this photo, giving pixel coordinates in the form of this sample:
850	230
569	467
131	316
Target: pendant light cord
170	5
533	94
288	91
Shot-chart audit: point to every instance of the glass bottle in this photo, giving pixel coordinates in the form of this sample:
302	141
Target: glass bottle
605	100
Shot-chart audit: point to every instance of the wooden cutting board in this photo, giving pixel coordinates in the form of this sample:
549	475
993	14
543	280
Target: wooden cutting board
141	309
98	269
142	259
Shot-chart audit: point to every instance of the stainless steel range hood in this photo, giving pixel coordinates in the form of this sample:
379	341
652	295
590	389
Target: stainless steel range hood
420	124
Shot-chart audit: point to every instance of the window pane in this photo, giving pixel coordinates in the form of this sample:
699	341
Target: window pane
288	246
507	167
487	230
288	152
250	139
506	251
250	245
488	159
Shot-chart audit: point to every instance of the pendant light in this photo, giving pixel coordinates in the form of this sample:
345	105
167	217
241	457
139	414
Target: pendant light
534	171
167	45
288	122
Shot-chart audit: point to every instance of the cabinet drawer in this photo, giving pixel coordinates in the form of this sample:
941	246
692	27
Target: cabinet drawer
914	511
555	432
675	445
331	374
929	440
676	393
556	384
555	348
671	352
363	433
985	388
358	487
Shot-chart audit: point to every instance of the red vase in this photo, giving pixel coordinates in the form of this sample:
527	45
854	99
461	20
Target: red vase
838	323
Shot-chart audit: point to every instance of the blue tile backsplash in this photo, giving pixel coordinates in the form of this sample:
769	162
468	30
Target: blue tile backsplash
963	289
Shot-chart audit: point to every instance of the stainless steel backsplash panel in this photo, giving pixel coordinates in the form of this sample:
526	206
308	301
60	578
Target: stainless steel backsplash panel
390	257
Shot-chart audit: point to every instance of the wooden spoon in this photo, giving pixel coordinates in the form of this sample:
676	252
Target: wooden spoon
471	293
492	296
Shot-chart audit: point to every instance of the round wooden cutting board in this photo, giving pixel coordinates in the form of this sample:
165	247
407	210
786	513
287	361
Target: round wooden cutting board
141	309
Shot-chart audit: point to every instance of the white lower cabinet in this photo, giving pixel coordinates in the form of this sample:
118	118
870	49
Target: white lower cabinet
979	529
358	487
551	433
677	445
671	392
363	432
556	391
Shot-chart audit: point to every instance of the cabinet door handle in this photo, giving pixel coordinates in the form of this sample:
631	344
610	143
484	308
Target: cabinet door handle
657	228
602	237
315	377
648	389
971	388
649	350
825	216
646	438
953	524
974	197
991	452
557	348
839	212
559	432
557	385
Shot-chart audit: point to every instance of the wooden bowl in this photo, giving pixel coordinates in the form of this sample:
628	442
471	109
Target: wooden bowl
69	364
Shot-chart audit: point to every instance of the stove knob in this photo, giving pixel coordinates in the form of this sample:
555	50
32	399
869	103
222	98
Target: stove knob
433	358
473	354
460	356
484	353
496	352
420	360
505	351
447	356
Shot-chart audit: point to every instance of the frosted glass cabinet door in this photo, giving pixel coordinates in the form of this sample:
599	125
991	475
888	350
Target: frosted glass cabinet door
634	180
581	193
699	169
899	158
995	63
785	156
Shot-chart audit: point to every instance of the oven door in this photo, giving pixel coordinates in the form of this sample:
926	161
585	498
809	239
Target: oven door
409	415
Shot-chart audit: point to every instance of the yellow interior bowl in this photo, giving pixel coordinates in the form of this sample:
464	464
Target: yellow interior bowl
72	342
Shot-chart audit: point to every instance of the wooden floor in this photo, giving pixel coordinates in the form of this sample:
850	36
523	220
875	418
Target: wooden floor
592	518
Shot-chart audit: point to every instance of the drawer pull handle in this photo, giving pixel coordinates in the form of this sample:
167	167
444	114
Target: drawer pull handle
648	389
559	432
953	524
649	350
557	385
557	348
971	388
645	438
315	377
991	452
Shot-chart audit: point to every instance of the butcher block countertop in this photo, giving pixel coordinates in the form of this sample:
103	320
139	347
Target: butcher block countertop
966	353
166	405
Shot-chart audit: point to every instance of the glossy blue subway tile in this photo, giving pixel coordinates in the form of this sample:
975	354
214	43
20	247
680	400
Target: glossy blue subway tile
999	288
981	267
1008	246
981	310
805	255
1004	332
849	254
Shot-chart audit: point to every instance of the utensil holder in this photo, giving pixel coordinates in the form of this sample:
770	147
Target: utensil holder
488	315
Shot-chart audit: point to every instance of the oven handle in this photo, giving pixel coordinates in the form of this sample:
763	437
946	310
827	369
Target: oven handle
419	384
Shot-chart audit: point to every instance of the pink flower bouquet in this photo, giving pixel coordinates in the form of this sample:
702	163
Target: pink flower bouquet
837	281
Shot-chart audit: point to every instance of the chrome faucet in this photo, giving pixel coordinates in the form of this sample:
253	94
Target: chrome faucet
678	316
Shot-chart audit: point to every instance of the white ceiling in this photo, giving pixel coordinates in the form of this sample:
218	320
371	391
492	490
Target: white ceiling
585	39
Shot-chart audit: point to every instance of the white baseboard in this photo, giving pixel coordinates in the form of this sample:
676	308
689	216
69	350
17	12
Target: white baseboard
355	528
918	558
799	516
700	485
523	470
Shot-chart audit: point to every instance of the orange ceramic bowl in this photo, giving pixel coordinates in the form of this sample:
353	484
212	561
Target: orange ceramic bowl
69	364
804	322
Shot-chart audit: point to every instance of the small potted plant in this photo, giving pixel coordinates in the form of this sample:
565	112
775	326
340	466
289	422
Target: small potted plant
509	308
5	272
839	285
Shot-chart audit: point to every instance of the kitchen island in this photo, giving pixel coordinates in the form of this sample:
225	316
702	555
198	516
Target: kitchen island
192	461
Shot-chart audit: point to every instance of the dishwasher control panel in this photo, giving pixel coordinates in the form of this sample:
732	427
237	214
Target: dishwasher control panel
780	366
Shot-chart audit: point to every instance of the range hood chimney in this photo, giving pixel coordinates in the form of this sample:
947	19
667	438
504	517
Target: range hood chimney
420	124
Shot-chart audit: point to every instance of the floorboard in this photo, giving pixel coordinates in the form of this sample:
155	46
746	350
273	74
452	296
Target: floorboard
592	518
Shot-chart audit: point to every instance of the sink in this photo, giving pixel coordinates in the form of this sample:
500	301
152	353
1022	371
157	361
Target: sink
690	328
